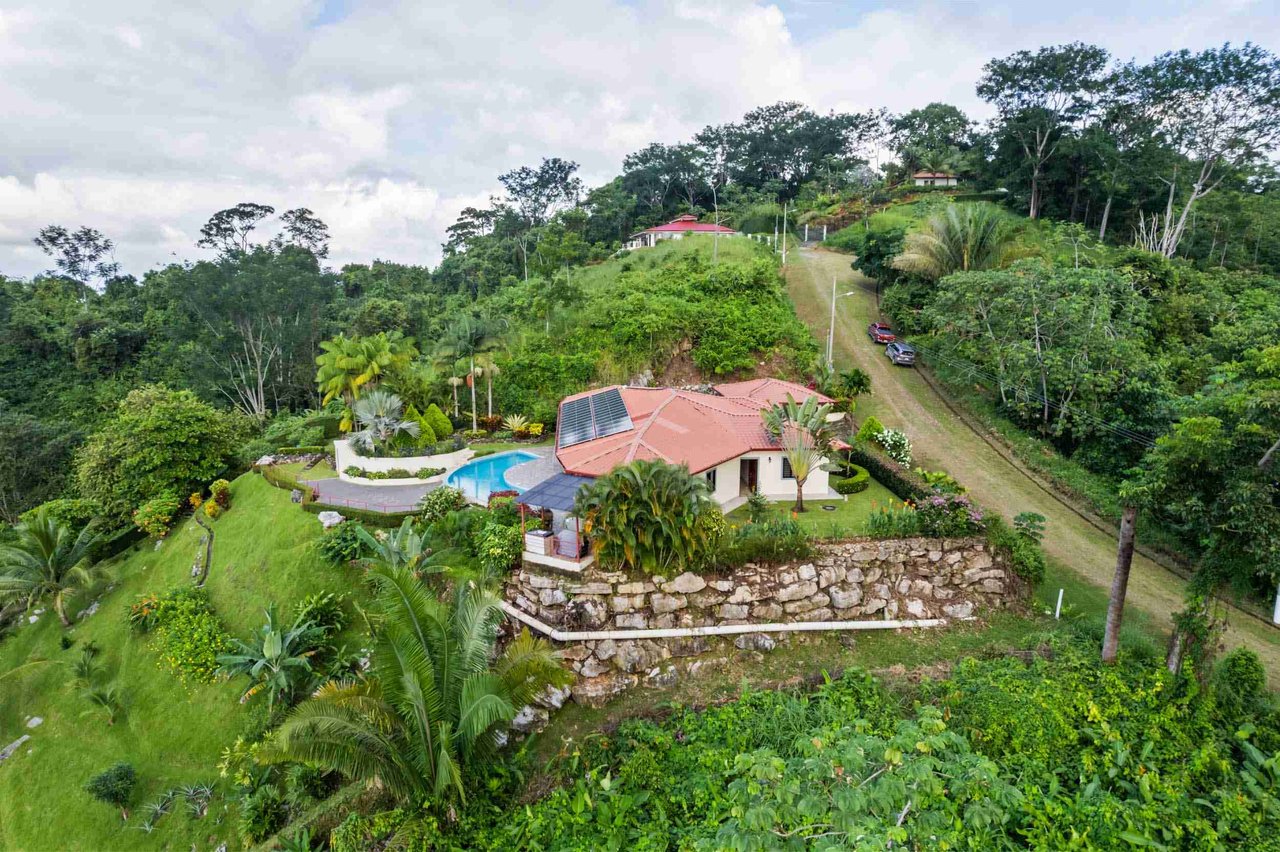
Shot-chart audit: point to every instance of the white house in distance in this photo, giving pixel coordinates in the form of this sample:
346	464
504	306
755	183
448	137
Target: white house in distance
935	179
720	436
675	230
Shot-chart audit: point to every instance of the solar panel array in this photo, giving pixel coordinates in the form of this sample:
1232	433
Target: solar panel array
596	416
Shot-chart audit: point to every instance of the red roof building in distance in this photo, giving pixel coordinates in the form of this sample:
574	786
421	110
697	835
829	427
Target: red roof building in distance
676	229
720	435
935	179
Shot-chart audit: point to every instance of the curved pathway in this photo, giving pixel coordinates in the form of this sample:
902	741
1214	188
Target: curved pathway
903	399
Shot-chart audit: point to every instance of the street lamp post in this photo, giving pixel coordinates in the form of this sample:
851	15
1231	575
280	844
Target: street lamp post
831	332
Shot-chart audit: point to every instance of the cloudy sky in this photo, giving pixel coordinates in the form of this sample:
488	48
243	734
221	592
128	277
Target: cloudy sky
386	118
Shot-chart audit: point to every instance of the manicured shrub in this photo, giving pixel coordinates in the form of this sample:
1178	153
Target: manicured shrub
399	473
213	510
438	421
428	472
902	482
474	434
870	430
948	516
352	470
491	422
341	543
220	491
155	516
441	501
534	430
114	787
859	480
196	500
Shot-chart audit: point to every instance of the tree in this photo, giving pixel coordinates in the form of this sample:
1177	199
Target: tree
806	435
350	366
536	192
466	338
930	137
303	229
114	787
1220	109
962	238
35	456
382	416
439	695
1119	584
46	560
81	255
278	663
1038	95
647	516
158	441
228	230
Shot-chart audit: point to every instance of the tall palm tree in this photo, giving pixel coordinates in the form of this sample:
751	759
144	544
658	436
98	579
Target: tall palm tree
488	367
351	365
467	338
805	434
437	699
455	382
382	416
46	561
962	238
278	662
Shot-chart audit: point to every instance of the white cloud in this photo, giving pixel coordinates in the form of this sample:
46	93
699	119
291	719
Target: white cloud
390	119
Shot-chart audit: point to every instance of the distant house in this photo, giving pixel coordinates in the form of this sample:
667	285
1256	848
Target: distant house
720	436
935	179
675	230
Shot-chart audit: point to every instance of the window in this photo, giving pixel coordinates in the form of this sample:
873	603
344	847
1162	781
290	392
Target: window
711	478
787	472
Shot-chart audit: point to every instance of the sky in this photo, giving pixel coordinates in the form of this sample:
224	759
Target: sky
141	119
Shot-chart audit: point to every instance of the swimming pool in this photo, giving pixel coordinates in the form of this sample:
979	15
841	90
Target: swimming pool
478	478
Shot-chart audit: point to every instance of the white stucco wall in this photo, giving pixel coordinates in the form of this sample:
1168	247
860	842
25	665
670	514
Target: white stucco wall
344	456
770	481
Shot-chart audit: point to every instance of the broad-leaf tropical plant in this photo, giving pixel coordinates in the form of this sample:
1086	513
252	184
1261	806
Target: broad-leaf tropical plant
47	560
962	238
805	433
436	700
402	548
278	661
644	516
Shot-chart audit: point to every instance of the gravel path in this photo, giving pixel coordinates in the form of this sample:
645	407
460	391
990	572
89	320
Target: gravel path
902	399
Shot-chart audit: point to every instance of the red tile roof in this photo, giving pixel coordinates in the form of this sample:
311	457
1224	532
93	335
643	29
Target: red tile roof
932	175
687	222
685	427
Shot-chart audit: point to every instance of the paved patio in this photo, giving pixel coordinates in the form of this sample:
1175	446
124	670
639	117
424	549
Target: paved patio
525	476
376	498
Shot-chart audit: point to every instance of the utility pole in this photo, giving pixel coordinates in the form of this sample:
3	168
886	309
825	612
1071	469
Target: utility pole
784	234
831	331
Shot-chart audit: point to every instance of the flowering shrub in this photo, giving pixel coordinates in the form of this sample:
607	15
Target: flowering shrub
212	509
155	516
188	635
196	500
440	502
948	515
498	547
896	445
220	491
534	430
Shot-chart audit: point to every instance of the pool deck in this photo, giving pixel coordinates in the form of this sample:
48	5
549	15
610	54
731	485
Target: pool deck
389	499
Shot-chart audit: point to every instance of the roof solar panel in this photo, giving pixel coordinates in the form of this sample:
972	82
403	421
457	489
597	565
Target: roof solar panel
609	413
575	424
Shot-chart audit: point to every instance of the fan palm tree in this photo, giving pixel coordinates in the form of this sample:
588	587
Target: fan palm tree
436	701
805	434
351	365
278	662
46	561
962	238
382	416
467	338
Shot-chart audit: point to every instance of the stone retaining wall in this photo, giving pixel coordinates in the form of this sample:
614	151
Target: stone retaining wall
910	579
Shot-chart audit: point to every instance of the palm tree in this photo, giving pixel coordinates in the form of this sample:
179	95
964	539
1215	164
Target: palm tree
488	367
806	435
46	562
351	365
278	662
466	338
436	702
382	416
455	382
963	238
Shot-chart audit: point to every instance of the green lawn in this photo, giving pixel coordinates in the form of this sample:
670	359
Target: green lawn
320	471
834	518
171	734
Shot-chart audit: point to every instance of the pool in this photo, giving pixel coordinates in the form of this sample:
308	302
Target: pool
478	478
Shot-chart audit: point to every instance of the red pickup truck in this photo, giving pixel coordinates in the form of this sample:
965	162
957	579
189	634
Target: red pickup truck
880	333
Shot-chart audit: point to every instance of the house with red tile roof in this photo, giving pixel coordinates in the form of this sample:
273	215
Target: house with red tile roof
675	230
935	179
719	435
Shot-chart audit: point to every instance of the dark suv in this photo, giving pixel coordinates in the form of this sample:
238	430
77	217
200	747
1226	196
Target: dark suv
880	333
901	353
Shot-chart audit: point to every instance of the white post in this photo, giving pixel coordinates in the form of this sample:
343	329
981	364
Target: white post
1057	611
806	232
831	332
784	235
1275	614
775	237
824	233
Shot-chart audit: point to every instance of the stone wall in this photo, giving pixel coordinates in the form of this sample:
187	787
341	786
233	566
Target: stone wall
905	579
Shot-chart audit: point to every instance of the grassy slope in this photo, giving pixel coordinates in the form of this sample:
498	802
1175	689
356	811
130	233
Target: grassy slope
172	734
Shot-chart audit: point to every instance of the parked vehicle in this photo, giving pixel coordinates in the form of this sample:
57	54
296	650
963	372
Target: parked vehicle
901	353
880	333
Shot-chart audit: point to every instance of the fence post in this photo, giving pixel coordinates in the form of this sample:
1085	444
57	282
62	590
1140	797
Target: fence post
1057	611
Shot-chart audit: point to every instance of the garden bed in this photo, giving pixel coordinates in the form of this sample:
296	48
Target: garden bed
346	458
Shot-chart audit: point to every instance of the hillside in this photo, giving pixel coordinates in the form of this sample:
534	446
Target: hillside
172	733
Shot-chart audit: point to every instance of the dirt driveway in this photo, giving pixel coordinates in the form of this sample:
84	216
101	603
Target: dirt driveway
902	399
